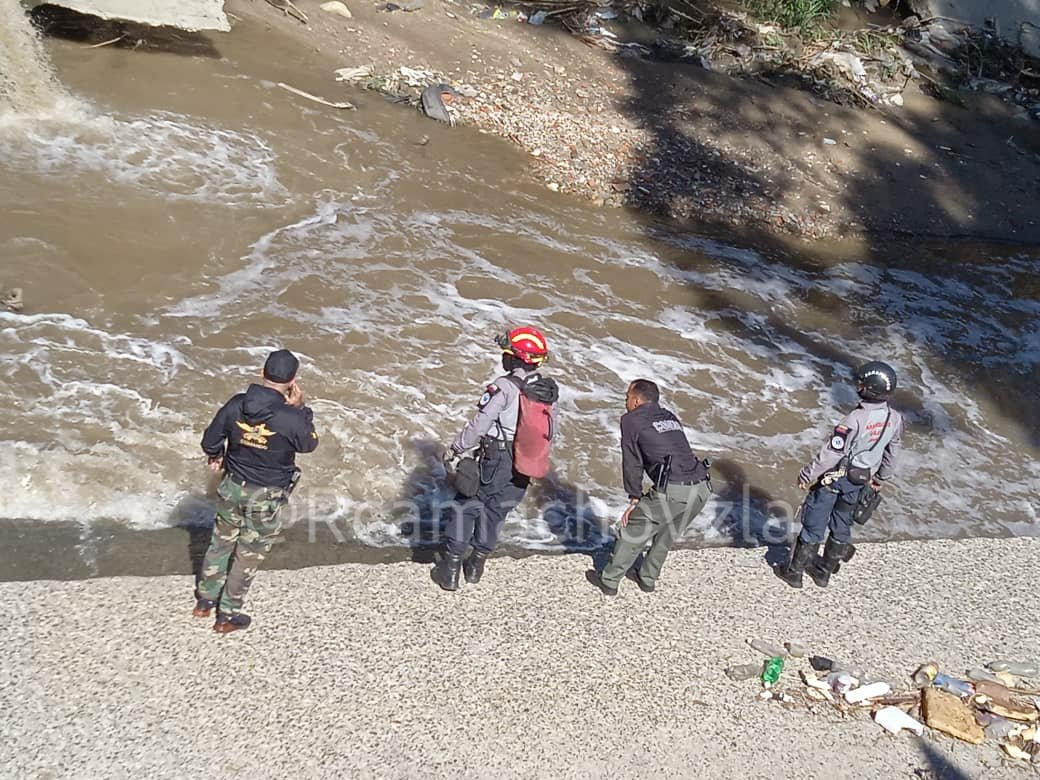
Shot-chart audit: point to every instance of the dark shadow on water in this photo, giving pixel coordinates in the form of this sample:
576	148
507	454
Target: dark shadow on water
70	25
567	512
194	514
419	509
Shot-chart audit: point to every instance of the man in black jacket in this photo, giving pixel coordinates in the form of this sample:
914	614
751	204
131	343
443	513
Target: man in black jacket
254	439
652	441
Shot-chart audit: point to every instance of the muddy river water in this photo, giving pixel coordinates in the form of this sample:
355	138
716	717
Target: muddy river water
173	218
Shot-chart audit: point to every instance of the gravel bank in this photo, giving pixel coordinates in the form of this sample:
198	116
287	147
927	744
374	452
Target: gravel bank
363	670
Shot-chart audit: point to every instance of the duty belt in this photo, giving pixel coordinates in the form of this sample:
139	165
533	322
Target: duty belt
251	485
488	443
687	484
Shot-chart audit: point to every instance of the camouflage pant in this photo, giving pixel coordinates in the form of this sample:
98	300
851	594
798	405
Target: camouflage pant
246	526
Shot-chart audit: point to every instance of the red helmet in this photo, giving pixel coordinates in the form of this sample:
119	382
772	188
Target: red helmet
526	344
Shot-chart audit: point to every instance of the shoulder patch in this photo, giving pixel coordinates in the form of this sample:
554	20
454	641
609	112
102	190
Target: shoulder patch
840	438
489	392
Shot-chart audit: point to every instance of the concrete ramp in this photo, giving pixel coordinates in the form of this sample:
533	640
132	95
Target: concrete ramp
189	15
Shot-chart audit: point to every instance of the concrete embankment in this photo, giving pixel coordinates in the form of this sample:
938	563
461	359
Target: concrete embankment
358	670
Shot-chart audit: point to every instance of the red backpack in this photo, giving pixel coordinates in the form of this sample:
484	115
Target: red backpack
534	426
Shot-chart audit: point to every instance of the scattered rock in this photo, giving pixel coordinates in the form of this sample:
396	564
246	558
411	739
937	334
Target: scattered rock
336	7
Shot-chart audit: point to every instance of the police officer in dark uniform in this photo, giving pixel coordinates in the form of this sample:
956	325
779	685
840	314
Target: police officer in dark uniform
477	520
652	441
861	453
253	439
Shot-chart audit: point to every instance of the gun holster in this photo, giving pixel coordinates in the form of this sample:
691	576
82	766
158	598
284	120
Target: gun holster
866	505
661	473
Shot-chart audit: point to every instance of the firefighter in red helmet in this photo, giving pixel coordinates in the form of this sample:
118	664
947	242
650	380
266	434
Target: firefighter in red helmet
489	438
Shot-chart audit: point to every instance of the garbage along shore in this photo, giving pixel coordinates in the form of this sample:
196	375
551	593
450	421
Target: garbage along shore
372	670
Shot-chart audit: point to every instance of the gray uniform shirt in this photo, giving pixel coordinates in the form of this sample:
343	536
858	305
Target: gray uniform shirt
863	428
497	413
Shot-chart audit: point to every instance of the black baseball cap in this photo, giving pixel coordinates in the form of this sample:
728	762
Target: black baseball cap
281	367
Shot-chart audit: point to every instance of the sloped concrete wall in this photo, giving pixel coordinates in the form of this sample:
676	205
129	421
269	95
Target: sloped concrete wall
184	14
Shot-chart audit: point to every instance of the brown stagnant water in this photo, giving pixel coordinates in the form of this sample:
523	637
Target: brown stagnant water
172	218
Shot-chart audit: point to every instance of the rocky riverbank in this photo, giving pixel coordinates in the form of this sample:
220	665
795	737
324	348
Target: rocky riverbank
676	140
371	670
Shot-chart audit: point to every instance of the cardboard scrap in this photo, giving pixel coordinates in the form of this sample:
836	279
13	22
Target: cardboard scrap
947	713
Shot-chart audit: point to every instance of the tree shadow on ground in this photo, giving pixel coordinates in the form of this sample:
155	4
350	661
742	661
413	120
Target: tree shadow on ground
960	181
683	168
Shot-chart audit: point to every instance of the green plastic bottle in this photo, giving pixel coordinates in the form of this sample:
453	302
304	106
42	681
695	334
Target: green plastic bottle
772	669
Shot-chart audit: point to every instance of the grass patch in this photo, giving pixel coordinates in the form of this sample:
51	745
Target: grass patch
807	17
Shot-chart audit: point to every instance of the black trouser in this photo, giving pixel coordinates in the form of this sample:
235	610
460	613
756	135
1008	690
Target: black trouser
479	520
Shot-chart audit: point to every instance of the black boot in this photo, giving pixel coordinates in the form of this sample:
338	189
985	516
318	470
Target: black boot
473	568
802	553
446	572
845	558
822	568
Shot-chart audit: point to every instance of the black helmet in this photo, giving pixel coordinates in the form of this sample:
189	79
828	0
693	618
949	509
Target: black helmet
875	381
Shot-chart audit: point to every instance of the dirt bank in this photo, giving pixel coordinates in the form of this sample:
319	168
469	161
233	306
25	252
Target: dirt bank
682	142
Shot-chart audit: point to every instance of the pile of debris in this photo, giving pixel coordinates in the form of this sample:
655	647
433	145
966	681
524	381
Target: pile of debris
996	702
866	67
950	56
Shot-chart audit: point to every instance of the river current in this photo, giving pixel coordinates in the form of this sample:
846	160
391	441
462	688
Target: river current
172	219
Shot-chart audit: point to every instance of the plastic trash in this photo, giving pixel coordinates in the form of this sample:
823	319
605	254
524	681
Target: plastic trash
856	672
841	682
1016	668
434	99
771	671
538	17
894	720
797	649
962	688
979	675
351	75
743	672
867	692
925	674
998	728
497	13
821	663
766	647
